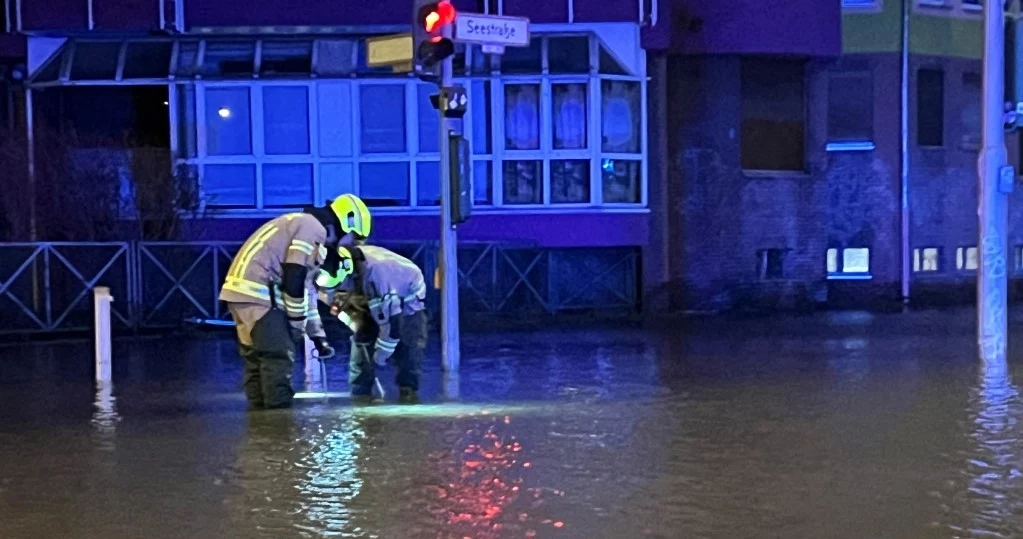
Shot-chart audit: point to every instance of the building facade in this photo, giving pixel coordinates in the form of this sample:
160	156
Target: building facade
669	154
789	170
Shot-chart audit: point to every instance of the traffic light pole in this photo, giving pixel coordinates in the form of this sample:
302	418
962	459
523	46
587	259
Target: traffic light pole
992	286
450	338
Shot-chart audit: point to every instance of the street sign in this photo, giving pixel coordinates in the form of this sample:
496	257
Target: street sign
492	30
389	50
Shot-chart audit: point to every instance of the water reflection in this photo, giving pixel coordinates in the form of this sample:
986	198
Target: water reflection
988	505
479	490
105	416
299	473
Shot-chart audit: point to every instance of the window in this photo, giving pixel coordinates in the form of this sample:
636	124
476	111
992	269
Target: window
848	263
384	184
428	182
287	185
930	108
382	118
523	59
429	120
145	59
284	58
286	120
185	96
621	180
523	182
229	185
970	113
972	5
570	181
850	109
966	259
228	126
334	104
569	102
228	58
522	116
336	179
859	3
926	260
770	264
95	60
557	133
482	120
482	183
569	54
773	115
620	116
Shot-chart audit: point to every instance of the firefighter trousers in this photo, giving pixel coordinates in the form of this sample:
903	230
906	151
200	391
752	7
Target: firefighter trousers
264	342
407	358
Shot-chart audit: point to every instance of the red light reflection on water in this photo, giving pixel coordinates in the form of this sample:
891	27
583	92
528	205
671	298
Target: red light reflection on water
483	482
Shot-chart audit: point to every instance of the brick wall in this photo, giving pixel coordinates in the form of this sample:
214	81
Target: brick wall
726	215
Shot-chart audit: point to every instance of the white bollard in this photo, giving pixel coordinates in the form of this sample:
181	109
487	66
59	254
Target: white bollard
103	299
313	368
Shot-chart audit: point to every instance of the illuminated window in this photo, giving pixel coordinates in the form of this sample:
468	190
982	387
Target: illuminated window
967	259
927	259
849	263
228	126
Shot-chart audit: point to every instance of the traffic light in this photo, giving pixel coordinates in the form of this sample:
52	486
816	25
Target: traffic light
461	179
431	35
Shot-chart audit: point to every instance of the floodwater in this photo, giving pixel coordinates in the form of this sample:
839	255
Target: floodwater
836	426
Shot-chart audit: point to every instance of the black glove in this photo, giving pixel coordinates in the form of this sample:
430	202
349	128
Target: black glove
323	348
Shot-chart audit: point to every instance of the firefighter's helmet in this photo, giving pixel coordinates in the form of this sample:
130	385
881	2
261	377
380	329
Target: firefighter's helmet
353	214
345	268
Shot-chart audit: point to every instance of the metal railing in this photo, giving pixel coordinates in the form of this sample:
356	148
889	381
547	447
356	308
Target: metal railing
46	287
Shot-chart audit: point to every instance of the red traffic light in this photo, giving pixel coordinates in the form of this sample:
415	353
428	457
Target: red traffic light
442	15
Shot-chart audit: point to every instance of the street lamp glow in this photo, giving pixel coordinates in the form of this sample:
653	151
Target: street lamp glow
224	112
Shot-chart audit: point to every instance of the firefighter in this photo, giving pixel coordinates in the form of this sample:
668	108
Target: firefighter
384	307
271	293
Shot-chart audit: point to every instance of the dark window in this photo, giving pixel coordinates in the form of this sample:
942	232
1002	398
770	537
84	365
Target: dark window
523	59
282	58
228	58
95	61
770	263
568	54
970	113
147	60
851	107
930	107
773	115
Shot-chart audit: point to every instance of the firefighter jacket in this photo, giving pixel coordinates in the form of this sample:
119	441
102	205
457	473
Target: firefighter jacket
256	273
393	286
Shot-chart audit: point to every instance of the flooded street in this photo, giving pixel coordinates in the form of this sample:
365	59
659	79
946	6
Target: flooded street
838	426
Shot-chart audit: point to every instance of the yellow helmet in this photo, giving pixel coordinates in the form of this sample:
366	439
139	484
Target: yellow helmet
353	214
345	268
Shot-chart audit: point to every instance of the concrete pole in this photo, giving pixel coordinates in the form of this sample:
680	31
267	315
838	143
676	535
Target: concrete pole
450	338
101	323
992	285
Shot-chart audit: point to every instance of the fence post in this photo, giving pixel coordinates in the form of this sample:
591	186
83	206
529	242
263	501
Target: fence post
101	322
